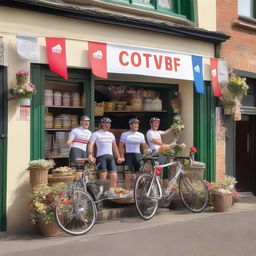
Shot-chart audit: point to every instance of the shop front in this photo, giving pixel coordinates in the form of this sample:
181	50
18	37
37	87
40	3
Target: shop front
58	102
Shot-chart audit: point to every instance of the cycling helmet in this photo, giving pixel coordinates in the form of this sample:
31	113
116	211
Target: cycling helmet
105	120
82	118
134	120
154	119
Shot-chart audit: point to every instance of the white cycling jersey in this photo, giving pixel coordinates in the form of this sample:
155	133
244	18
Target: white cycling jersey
104	141
152	135
80	137
132	141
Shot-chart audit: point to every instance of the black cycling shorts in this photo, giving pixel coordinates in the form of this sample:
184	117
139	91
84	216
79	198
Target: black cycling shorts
132	162
106	163
76	153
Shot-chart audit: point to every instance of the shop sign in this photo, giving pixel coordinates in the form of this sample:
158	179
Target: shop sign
148	62
120	59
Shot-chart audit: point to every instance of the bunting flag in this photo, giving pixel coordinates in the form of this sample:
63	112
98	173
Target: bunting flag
214	74
56	52
198	73
98	58
223	72
27	47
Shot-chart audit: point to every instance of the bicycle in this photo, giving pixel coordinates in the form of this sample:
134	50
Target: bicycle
78	215
148	191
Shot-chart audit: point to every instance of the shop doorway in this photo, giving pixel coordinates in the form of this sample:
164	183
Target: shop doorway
245	153
3	146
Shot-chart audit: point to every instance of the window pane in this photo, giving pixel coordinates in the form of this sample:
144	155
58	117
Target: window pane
245	8
165	3
144	1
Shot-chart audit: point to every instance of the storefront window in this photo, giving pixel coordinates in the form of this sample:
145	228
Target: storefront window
166	4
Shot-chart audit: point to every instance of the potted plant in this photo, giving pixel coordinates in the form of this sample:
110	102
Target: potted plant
222	193
39	171
237	86
228	101
23	89
44	200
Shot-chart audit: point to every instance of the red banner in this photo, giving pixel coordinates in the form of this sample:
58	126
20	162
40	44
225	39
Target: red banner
56	52
214	74
98	59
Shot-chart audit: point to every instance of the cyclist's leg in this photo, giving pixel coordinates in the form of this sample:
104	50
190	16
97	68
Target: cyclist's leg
128	171
111	168
76	153
162	159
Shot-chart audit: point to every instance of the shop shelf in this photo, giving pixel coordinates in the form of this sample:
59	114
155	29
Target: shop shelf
141	111
60	129
64	107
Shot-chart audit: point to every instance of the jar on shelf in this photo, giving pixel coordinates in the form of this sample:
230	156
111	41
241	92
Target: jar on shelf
57	98
48	97
66	99
75	99
136	104
147	106
66	122
57	122
48	121
157	104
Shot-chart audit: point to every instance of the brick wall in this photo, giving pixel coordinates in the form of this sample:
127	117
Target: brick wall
220	146
240	49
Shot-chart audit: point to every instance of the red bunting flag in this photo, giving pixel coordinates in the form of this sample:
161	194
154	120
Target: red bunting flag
214	74
56	52
98	59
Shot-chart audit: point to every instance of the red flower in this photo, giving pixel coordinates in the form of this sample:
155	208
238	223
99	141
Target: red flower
66	202
193	149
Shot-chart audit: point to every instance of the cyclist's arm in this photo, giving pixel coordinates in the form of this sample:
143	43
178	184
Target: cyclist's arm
90	150
156	141
168	131
145	146
121	149
116	153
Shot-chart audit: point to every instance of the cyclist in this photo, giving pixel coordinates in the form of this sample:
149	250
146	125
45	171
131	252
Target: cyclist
77	142
129	147
106	146
155	141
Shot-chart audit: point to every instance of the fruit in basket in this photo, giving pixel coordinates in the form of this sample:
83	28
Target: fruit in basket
64	170
121	191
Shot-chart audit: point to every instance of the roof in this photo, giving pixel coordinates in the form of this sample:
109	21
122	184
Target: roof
173	26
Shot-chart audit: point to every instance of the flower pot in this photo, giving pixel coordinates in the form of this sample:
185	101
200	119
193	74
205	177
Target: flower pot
38	176
55	180
222	202
228	109
24	101
48	229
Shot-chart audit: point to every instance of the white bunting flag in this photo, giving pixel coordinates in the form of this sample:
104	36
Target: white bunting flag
27	48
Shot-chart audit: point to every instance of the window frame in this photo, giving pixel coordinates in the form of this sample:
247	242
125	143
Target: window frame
180	9
253	10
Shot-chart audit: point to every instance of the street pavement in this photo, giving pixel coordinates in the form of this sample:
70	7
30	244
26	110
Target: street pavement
169	233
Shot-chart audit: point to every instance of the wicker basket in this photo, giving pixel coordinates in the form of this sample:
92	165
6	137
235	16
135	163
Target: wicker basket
49	229
99	109
38	176
55	180
221	202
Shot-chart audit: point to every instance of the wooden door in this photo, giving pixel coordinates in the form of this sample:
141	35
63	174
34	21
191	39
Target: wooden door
244	155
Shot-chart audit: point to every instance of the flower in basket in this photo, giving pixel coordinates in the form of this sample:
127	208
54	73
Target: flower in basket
47	164
23	89
192	152
44	202
177	125
237	85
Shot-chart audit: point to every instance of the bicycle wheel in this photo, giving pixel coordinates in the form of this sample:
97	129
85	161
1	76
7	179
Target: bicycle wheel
77	215
193	192
146	206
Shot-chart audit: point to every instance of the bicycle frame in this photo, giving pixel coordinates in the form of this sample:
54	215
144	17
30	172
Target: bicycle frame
179	170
